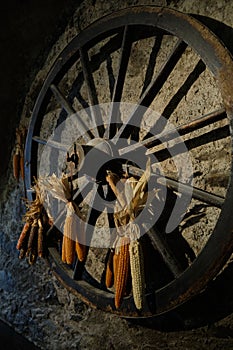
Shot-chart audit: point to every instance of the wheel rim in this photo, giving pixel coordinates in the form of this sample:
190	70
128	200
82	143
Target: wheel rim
159	20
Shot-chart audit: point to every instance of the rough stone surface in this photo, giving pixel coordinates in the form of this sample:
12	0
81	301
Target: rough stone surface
41	309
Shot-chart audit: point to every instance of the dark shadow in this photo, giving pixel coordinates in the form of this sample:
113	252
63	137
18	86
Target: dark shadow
212	305
13	340
152	62
216	302
221	30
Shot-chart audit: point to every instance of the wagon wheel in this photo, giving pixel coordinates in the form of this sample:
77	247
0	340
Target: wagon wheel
100	65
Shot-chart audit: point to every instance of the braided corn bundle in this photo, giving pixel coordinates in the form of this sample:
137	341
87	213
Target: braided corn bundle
31	240
74	230
128	260
137	272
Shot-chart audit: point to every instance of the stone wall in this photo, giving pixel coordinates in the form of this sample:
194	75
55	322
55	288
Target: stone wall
31	298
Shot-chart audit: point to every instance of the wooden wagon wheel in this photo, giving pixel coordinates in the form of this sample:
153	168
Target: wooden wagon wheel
171	45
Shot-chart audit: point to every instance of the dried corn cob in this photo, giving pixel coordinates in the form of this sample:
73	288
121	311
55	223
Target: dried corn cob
21	163
16	165
69	232
63	252
40	239
109	278
22	253
68	250
122	271
81	251
80	247
24	235
32	237
115	266
137	272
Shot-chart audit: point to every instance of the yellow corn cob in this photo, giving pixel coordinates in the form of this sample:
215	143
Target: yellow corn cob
137	273
109	278
122	271
63	253
68	249
115	266
81	251
80	235
68	242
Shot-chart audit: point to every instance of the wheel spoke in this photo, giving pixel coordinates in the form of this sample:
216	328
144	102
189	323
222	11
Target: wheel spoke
204	196
86	133
161	245
183	129
214	135
50	143
153	88
196	193
92	94
119	83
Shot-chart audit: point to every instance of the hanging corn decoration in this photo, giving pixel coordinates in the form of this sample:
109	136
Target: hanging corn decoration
74	229
31	240
74	232
128	259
